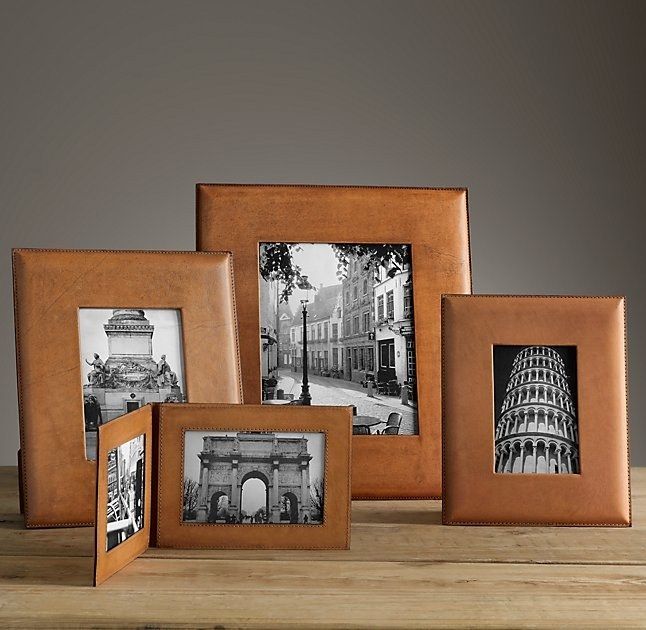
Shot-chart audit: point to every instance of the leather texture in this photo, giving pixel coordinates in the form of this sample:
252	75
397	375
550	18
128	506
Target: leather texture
175	419
434	221
473	493
49	288
111	435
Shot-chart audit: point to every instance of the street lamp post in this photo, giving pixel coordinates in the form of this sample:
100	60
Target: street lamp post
306	399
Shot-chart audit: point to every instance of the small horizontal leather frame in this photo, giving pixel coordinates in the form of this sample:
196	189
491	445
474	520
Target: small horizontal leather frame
474	493
50	286
111	435
176	419
433	221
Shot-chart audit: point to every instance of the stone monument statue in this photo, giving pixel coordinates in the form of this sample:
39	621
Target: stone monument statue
164	373
130	377
97	375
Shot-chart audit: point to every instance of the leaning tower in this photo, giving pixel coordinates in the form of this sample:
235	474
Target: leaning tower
537	431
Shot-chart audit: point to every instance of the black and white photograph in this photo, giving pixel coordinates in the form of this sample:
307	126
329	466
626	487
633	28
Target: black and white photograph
254	478
129	357
536	425
337	328
125	491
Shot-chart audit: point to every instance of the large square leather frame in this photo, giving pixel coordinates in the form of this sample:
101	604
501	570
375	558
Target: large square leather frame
58	482
433	221
475	493
175	420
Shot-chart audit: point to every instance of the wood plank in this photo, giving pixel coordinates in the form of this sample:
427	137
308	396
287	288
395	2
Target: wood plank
404	570
394	543
398	531
261	594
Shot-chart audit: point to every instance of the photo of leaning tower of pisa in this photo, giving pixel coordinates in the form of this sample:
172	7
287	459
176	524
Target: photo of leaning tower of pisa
536	428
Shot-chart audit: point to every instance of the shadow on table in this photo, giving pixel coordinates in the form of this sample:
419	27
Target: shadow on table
17	540
46	571
394	513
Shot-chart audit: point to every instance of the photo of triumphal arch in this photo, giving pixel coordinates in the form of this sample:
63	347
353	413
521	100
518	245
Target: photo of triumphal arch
253	477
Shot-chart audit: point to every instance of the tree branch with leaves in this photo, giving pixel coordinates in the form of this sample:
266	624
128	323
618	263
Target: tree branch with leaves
277	262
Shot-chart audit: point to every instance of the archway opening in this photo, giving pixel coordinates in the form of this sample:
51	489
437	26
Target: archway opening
254	499
553	465
541	459
518	461
218	507
289	508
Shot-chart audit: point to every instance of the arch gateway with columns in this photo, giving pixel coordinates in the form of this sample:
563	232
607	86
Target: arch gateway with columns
282	464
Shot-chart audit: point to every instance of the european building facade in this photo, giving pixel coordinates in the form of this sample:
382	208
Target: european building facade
357	335
361	329
394	333
323	317
269	325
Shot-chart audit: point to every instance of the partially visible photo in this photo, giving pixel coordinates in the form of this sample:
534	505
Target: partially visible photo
129	357
536	421
125	504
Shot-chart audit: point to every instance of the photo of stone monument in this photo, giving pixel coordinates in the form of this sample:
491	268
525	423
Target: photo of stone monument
254	478
129	358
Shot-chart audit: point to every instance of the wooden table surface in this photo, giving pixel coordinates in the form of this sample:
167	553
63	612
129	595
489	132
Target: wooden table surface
404	570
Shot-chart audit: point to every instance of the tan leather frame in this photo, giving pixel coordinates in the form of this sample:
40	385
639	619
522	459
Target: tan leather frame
111	435
474	494
49	288
334	422
433	221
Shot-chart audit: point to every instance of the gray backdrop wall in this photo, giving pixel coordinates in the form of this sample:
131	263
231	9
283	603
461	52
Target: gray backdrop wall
112	111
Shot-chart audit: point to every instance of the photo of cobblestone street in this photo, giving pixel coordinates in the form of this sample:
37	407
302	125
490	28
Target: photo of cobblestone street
331	391
337	328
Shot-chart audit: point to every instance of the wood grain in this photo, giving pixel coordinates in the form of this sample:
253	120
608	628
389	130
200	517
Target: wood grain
404	570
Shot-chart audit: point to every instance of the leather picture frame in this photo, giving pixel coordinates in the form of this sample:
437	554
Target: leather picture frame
50	286
490	462
174	423
433	221
112	435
